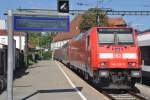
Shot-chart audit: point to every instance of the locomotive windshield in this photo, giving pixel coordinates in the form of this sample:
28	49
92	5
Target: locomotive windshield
119	36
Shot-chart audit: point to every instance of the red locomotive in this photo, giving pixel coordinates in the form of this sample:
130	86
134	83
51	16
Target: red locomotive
109	56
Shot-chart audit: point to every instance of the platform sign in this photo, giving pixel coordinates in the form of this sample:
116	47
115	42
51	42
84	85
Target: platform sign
41	23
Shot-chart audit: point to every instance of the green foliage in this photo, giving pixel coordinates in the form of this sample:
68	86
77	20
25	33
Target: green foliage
31	62
33	38
46	55
41	39
89	19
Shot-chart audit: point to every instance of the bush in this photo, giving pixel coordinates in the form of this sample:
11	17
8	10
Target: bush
46	55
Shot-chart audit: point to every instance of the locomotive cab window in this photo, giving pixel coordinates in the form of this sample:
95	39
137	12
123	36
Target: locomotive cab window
116	36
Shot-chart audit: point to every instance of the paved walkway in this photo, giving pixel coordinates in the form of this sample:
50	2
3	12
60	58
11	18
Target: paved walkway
50	80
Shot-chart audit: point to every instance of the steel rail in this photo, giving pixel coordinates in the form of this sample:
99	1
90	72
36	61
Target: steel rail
130	93
137	96
107	95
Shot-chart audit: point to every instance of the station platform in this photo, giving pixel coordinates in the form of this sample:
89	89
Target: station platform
51	80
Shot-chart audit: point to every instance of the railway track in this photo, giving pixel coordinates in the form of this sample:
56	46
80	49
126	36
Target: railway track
129	95
122	95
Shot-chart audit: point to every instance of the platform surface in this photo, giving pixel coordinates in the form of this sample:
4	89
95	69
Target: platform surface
51	80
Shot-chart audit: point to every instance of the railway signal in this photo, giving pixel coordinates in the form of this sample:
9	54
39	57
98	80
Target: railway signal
63	6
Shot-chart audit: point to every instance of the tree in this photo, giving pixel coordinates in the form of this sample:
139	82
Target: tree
33	38
41	39
89	19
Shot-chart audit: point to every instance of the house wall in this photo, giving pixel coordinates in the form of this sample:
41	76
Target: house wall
58	44
144	39
144	44
2	24
4	40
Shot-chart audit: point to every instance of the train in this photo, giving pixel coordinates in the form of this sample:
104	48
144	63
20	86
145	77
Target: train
19	59
107	56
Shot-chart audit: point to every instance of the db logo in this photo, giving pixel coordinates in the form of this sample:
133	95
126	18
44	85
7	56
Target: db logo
117	55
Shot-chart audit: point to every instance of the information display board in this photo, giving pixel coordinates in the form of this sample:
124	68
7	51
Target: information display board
41	23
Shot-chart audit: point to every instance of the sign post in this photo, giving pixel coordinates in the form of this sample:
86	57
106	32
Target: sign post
29	22
10	62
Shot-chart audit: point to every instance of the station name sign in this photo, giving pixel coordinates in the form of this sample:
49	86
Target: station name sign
41	23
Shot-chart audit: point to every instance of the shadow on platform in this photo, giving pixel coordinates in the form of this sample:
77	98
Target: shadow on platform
20	72
52	91
32	67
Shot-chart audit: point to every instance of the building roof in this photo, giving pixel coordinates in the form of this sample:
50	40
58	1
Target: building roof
4	32
30	46
74	28
144	32
116	21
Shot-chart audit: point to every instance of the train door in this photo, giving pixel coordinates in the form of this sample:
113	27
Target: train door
87	54
1	62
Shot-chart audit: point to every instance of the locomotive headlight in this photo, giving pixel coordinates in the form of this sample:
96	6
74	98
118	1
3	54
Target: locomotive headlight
103	73
132	64
135	73
103	64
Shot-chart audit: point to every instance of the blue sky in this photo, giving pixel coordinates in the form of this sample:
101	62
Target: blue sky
141	22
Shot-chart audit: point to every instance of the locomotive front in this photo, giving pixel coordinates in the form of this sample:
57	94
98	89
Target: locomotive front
118	58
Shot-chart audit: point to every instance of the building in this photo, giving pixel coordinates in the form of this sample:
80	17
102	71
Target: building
19	37
61	38
116	21
2	24
144	44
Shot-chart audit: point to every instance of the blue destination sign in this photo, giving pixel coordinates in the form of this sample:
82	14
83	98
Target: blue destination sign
41	23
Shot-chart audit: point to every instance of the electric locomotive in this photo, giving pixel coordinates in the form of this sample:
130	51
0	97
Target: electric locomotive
109	56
